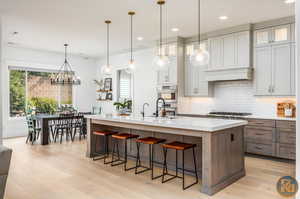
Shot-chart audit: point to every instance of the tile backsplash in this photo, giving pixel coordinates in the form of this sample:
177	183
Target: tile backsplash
231	96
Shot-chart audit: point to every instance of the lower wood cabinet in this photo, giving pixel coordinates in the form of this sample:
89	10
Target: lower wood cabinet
271	138
286	151
261	149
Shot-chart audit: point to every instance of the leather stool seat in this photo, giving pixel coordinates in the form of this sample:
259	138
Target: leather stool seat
150	140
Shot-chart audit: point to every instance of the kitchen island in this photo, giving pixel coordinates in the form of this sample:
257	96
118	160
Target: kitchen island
220	150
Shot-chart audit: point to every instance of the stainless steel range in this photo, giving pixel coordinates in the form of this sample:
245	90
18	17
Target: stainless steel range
229	115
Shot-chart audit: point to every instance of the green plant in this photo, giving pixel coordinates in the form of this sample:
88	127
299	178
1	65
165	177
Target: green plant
43	105
123	105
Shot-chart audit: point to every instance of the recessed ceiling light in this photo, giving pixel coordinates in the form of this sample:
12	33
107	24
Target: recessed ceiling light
140	38
289	1
175	29
223	17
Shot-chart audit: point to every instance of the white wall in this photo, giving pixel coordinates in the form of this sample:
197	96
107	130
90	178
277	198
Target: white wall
84	95
298	92
1	110
144	80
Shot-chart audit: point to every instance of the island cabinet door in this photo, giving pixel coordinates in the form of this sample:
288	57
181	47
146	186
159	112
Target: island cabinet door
227	154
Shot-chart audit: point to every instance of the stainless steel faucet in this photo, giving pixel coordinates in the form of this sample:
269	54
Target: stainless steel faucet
143	112
164	105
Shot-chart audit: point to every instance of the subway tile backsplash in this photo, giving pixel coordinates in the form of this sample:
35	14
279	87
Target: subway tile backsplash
233	96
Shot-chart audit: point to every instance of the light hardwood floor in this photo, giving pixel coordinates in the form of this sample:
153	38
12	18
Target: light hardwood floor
61	171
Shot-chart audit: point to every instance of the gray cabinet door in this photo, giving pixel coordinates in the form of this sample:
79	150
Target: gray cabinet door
263	70
281	61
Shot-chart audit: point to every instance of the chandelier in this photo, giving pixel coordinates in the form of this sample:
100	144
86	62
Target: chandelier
65	75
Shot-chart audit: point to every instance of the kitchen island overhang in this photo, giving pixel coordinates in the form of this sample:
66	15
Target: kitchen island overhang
220	148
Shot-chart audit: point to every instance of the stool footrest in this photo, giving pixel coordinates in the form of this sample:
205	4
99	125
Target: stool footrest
142	171
173	177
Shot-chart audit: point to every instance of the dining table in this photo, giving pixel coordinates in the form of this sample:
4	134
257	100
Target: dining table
44	119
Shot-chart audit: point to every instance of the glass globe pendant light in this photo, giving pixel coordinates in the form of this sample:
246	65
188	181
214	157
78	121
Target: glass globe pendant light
200	56
106	69
131	64
161	60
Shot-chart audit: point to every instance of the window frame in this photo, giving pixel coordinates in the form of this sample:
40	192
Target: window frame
11	67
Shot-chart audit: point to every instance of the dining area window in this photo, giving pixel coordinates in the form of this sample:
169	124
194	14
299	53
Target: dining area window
32	90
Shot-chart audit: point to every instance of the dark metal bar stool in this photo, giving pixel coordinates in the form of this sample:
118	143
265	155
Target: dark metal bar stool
106	135
125	137
178	146
151	141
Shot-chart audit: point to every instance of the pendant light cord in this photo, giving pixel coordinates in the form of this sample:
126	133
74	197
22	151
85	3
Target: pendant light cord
66	46
160	6
107	63
131	37
199	22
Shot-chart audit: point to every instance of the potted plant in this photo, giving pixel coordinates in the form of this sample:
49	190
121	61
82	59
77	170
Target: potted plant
124	108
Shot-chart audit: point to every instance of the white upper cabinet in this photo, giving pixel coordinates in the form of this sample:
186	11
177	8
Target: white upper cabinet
169	74
230	51
195	76
263	37
242	47
216	52
275	35
263	70
274	63
281	61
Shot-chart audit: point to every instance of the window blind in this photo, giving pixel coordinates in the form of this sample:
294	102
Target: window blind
124	85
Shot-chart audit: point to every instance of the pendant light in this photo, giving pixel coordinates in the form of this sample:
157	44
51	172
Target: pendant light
65	76
200	56
131	65
106	69
161	60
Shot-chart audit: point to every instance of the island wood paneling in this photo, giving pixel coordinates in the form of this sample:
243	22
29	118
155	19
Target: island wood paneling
220	154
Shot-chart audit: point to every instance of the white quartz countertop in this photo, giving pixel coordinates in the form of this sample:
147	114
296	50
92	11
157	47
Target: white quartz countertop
190	123
266	117
252	116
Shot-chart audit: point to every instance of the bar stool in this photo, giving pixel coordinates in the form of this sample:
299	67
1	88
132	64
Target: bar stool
125	137
151	141
178	146
106	135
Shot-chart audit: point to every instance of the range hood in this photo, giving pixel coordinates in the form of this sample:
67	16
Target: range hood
228	74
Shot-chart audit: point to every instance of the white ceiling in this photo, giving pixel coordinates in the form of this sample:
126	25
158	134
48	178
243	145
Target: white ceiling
49	24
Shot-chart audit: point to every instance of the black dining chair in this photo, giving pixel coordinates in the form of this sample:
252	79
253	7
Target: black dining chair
33	129
79	125
64	127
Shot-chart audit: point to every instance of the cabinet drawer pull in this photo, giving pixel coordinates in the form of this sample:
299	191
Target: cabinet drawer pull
259	134
259	148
